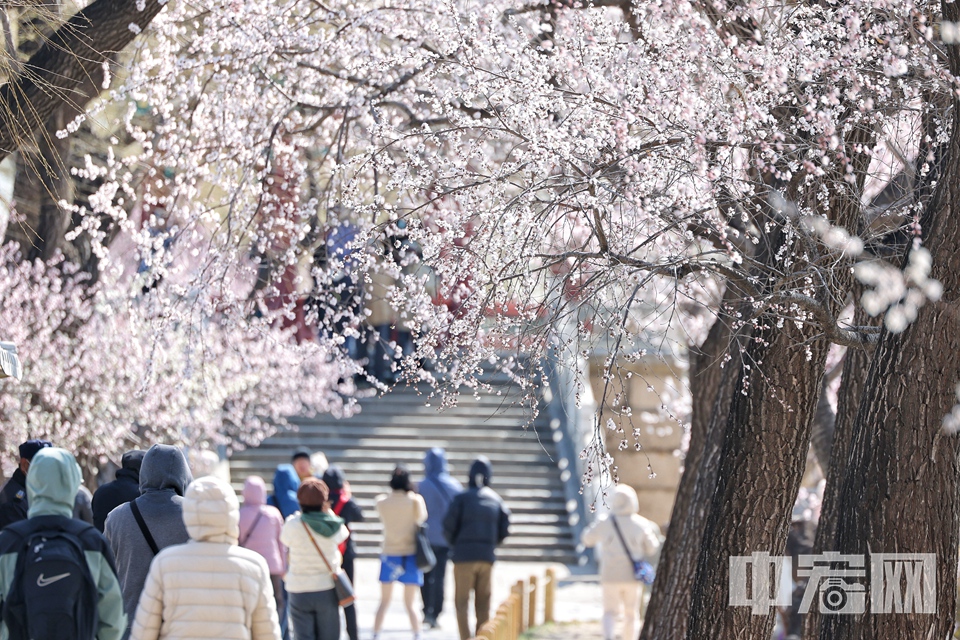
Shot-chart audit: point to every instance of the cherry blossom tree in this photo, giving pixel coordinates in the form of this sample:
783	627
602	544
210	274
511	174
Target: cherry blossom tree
569	175
103	373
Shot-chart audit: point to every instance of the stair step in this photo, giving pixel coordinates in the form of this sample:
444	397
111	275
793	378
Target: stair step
541	520
411	453
368	495
415	430
399	427
529	446
518	533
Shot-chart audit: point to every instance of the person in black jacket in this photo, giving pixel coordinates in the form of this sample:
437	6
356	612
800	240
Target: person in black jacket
124	488
13	496
347	508
476	524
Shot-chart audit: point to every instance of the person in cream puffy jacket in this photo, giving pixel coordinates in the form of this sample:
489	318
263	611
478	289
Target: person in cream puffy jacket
620	588
209	587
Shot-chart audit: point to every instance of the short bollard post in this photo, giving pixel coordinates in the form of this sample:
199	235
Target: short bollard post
518	612
516	603
532	603
550	585
521	603
502	626
487	631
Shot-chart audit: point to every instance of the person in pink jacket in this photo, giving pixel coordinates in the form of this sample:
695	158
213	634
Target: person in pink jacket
260	526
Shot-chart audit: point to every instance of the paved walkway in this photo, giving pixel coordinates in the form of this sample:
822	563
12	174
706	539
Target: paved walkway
567	631
577	599
577	610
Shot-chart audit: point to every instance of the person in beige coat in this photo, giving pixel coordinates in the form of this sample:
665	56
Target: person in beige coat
620	588
209	587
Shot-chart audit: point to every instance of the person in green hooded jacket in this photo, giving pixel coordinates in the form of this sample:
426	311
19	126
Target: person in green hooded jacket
52	483
314	607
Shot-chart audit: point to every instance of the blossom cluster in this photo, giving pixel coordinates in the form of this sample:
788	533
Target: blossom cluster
104	372
507	168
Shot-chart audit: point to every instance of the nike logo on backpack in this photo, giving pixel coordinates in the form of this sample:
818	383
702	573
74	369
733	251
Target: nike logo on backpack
43	582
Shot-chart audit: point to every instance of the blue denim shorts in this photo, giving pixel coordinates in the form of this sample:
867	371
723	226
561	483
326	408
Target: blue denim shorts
402	569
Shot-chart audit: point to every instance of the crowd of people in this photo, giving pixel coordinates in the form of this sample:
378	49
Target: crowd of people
159	554
363	302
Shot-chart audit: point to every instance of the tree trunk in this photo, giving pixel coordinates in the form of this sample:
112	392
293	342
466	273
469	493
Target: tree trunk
767	437
711	388
900	489
43	176
59	73
824	423
42	181
856	364
903	467
761	464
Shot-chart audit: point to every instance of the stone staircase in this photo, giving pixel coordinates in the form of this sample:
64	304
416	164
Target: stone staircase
401	426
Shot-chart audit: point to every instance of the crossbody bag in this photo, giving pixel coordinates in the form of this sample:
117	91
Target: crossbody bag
643	571
341	582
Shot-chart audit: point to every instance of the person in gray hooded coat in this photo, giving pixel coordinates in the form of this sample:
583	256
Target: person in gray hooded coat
164	476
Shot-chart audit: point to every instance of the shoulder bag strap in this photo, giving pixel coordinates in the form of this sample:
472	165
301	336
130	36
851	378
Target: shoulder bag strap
256	521
620	535
143	527
317	547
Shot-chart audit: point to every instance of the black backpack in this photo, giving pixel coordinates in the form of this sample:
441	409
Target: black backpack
53	595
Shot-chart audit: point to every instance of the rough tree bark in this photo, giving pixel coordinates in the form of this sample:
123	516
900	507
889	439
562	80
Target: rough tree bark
711	388
768	431
900	489
761	463
60	70
824	422
43	176
43	179
856	364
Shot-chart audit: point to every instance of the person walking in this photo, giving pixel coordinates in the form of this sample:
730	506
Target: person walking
380	313
13	497
83	505
438	490
124	488
136	537
343	505
260	527
402	512
209	587
312	536
66	604
642	540
287	479
475	525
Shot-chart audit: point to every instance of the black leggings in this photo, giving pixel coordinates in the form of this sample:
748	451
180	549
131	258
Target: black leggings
350	613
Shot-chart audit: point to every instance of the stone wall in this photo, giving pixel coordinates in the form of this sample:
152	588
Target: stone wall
654	469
